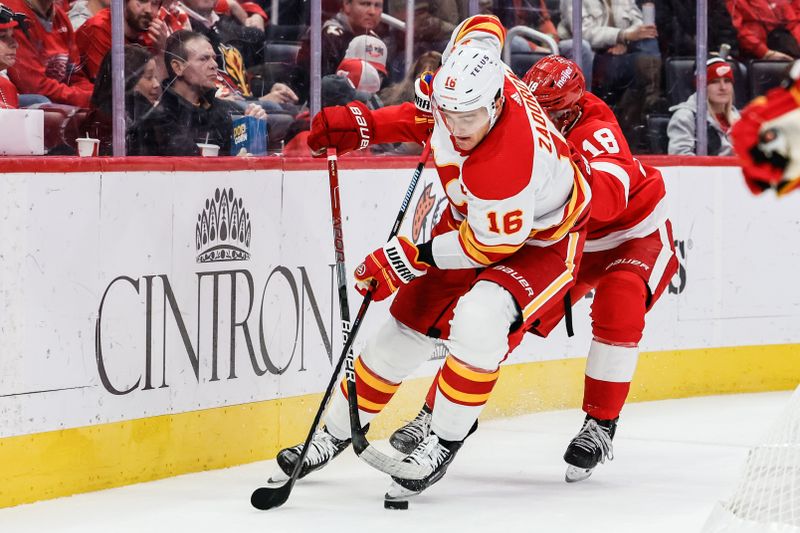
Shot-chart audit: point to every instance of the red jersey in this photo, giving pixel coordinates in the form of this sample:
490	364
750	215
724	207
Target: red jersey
94	40
9	99
48	61
628	197
755	19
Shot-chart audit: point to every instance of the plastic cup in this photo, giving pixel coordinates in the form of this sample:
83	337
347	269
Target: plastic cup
649	13
88	147
208	150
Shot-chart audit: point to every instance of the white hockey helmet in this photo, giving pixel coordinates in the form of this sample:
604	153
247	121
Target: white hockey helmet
471	78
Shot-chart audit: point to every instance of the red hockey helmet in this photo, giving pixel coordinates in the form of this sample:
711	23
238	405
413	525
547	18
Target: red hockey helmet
558	85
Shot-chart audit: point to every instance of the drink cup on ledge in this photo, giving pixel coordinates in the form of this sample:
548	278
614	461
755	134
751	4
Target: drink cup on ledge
88	147
208	150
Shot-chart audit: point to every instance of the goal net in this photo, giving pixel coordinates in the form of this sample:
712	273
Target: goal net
767	498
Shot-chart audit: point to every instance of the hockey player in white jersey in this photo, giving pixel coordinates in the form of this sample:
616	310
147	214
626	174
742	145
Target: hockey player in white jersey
505	252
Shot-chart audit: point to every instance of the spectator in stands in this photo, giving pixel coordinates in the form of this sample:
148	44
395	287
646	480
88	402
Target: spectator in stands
248	14
142	90
677	26
357	17
188	112
627	66
536	15
48	61
768	29
370	49
355	79
83	10
364	77
142	27
404	91
236	48
9	98
242	45
434	21
722	114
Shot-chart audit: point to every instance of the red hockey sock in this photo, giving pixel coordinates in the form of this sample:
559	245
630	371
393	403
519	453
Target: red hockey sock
604	399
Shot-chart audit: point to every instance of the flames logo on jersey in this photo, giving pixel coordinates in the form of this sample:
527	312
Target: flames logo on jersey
233	67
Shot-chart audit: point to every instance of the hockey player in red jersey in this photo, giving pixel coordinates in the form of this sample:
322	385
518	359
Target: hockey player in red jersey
503	255
628	259
767	138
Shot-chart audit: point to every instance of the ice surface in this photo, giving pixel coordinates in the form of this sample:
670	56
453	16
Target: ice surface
674	460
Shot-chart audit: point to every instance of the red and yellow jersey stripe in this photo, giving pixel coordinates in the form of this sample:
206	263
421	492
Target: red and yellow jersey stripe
373	391
465	385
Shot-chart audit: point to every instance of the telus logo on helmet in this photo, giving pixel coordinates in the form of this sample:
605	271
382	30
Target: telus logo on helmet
363	130
479	66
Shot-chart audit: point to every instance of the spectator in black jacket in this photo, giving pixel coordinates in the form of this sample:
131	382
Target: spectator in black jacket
677	27
188	112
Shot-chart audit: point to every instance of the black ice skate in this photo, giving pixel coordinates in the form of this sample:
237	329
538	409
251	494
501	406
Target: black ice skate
407	438
323	448
432	453
592	445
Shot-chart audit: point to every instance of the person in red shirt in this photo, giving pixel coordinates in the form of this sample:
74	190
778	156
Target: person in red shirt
768	29
48	61
628	259
142	26
9	98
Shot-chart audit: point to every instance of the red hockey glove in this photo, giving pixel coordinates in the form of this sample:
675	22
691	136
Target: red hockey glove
395	264
346	128
766	140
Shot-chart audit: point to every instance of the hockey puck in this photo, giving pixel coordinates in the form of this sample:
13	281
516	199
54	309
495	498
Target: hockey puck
395	504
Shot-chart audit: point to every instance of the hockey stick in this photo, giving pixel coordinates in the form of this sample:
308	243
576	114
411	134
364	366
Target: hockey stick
265	498
362	447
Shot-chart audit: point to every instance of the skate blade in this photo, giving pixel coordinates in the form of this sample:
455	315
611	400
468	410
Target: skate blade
278	478
575	474
399	492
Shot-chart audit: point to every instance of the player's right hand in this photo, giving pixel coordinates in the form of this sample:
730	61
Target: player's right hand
346	128
387	268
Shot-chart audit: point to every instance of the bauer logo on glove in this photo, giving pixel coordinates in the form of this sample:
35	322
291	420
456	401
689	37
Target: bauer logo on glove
389	267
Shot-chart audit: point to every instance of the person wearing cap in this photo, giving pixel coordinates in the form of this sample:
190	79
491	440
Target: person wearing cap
48	60
721	114
9	98
356	17
370	49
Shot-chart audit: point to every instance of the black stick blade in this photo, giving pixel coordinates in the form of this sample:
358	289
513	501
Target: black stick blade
266	498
